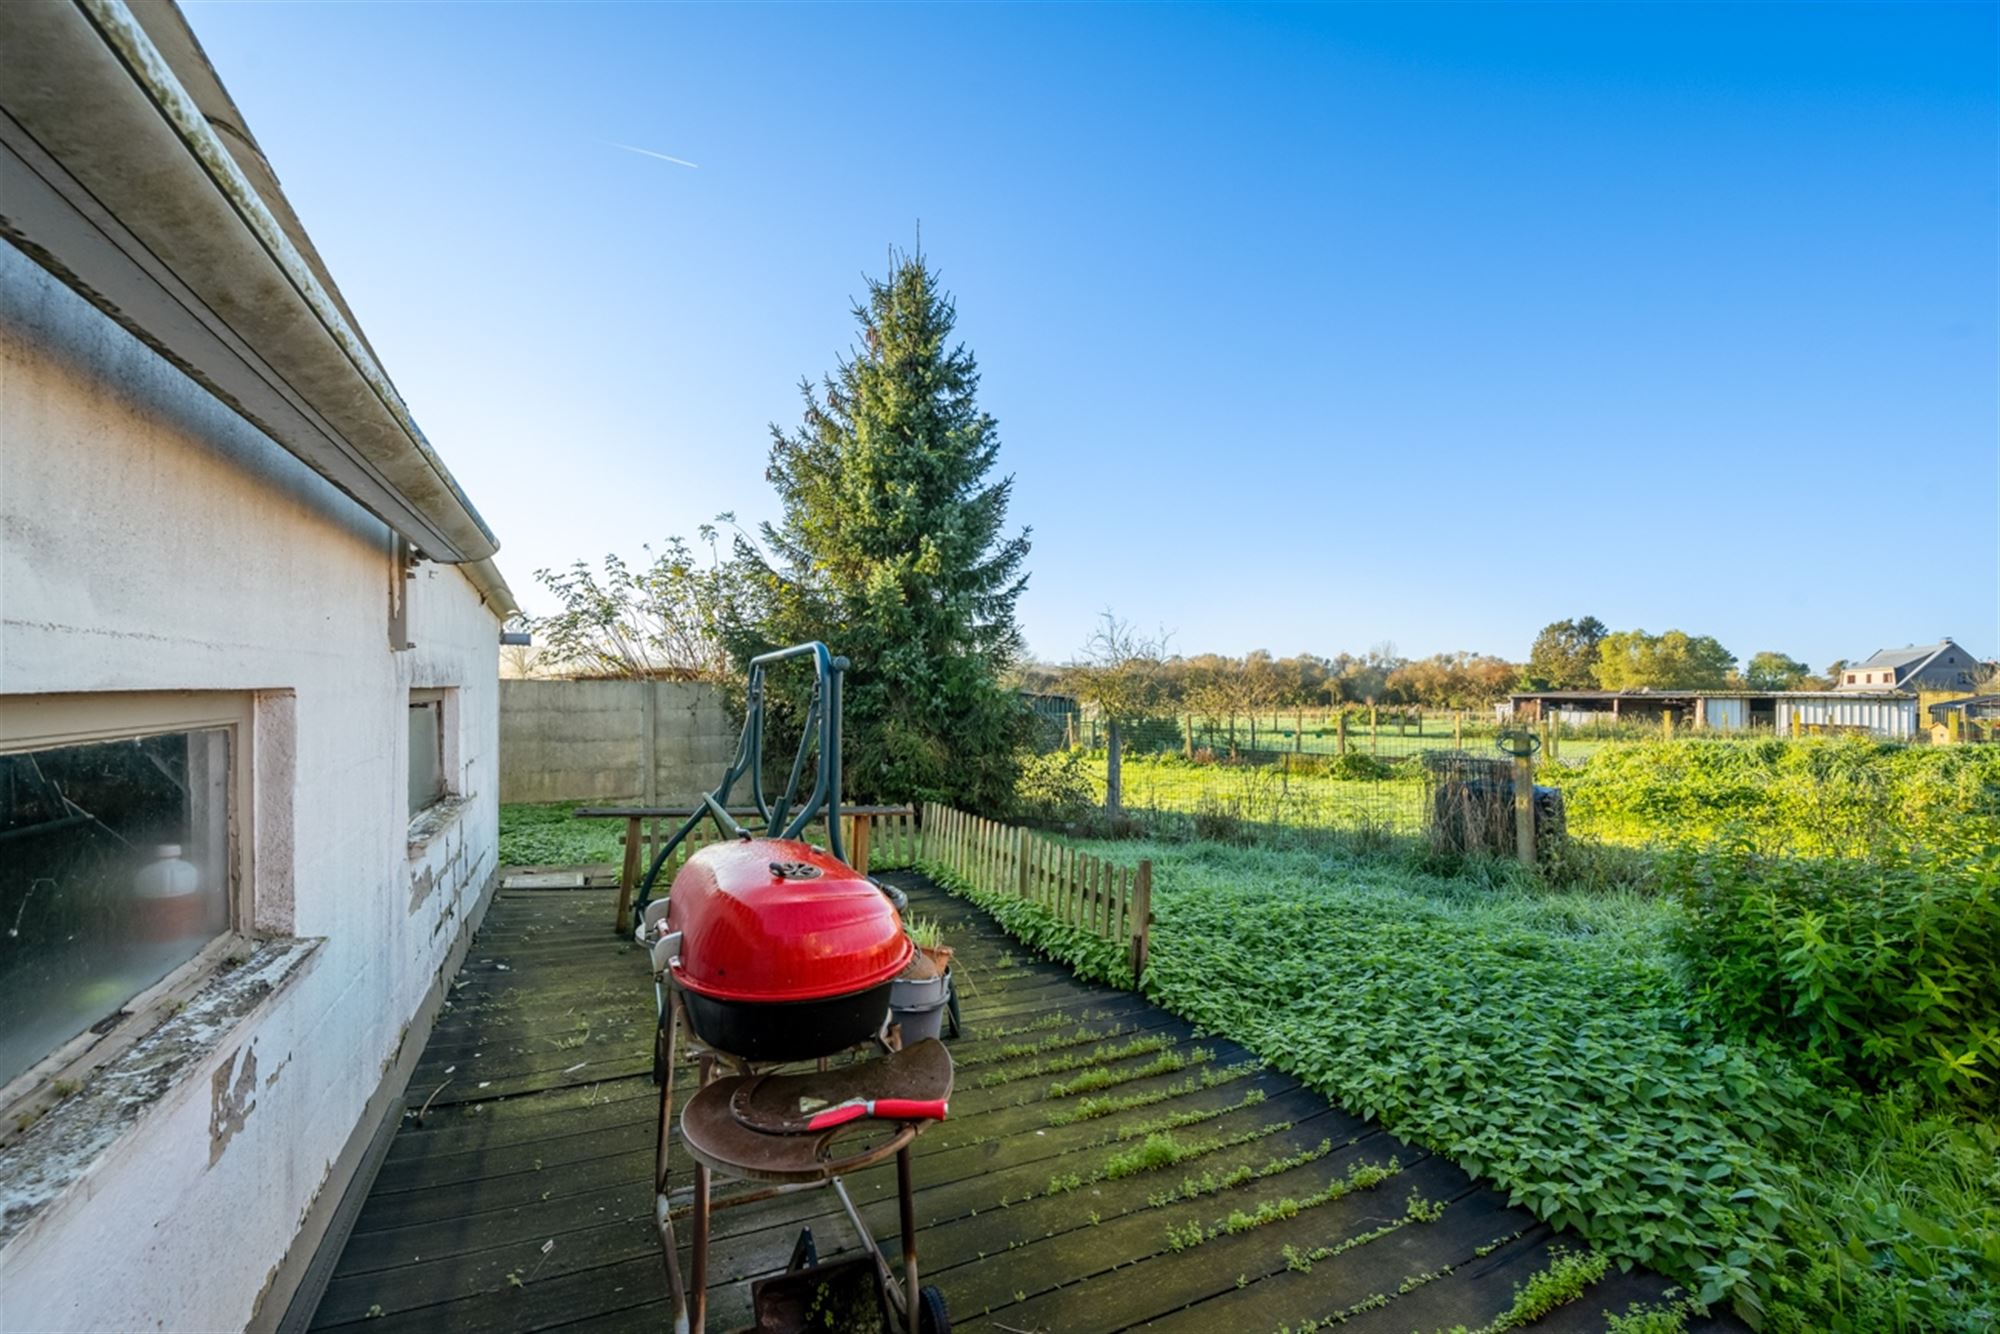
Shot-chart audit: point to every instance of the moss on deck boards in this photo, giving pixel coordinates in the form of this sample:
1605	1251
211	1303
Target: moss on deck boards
1104	1168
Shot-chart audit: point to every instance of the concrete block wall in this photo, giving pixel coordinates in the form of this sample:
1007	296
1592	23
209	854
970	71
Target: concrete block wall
658	742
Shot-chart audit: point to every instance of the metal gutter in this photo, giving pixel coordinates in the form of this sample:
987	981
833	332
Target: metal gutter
112	177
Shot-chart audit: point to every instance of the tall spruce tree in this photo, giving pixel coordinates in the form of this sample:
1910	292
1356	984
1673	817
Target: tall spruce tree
894	549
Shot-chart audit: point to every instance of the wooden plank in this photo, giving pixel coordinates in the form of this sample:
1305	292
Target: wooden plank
1276	1294
1142	919
542	1303
628	879
1107	921
857	850
1102	1288
1101	907
546	880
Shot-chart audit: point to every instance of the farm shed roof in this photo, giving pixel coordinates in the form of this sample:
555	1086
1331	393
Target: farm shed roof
1903	657
128	173
1657	696
1971	704
1648	693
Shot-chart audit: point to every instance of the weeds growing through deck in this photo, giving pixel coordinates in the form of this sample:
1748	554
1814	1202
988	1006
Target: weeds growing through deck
1359	1176
1087	1109
1071	1060
1103	1077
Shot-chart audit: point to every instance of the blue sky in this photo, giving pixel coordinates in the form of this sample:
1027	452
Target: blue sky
1306	328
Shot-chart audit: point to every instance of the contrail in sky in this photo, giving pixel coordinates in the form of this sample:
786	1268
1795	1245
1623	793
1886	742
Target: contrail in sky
647	152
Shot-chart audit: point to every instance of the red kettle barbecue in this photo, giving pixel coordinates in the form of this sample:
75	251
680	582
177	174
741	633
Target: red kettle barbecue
786	953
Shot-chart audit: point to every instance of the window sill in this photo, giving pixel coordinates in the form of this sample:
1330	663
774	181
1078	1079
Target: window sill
427	824
49	1157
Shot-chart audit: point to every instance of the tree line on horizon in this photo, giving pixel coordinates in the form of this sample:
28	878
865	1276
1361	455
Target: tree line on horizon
1576	654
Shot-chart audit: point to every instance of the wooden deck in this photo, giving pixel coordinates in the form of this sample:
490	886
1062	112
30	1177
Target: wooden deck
519	1198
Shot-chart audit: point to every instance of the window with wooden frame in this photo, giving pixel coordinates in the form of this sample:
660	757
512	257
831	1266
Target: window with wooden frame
124	869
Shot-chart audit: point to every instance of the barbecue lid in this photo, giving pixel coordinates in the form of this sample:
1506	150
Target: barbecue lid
775	920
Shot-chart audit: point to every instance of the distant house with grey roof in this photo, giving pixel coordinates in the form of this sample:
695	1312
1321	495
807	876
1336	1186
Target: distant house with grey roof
1940	666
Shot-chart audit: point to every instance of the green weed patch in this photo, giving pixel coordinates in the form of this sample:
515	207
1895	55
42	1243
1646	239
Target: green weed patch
1555	1042
1879	971
1844	797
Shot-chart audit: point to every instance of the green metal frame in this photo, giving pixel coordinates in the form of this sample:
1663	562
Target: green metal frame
782	818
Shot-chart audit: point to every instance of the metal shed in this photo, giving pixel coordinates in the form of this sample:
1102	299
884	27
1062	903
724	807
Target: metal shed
1892	716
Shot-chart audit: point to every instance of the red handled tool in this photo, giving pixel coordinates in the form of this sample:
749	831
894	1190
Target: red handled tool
888	1109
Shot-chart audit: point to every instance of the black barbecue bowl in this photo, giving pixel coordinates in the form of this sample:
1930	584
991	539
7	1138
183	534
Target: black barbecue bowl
788	1030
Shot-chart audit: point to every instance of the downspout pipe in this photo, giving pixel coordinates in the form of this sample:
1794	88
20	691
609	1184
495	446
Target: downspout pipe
112	177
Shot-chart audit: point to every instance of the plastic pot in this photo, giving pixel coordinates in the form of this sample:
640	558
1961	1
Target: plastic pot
918	1005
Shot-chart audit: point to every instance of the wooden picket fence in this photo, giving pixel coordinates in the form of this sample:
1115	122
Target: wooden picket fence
1109	900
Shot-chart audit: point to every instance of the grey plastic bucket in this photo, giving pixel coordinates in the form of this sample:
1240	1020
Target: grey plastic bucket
919	1006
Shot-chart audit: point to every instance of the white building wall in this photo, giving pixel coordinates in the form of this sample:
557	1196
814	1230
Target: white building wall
150	539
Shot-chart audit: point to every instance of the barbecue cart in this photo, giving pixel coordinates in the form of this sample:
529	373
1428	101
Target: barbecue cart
773	962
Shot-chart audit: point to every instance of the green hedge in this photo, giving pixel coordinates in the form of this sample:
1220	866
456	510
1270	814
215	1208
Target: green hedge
1816	798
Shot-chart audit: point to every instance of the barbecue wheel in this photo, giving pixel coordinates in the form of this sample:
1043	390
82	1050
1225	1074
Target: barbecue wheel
932	1318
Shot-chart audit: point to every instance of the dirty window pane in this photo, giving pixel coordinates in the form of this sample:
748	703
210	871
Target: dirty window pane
426	740
114	871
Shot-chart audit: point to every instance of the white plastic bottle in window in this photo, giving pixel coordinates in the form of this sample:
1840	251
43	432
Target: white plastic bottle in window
168	893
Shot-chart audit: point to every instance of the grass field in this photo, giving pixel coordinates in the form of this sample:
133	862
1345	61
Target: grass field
1268	794
1282	734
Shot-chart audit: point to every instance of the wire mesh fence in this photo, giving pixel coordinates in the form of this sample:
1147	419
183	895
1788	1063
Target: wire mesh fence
1371	774
1383	733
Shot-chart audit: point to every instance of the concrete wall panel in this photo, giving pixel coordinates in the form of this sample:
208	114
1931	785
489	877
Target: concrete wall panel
586	741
